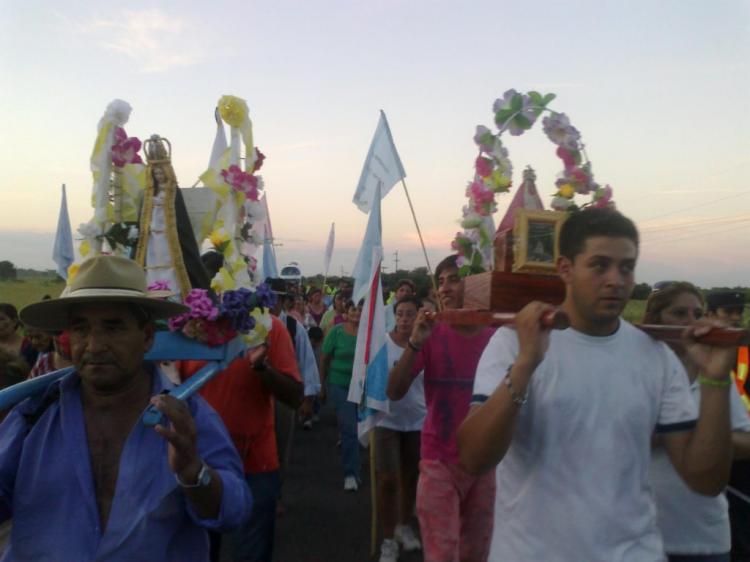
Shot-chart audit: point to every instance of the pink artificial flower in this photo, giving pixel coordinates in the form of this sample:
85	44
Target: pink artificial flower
159	285
565	155
232	174
125	150
602	198
259	158
483	166
482	198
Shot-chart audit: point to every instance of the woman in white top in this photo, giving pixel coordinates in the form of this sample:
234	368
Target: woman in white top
694	527
397	443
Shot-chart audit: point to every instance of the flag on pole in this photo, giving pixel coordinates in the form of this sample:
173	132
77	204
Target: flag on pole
364	265
370	368
382	168
329	250
62	251
269	258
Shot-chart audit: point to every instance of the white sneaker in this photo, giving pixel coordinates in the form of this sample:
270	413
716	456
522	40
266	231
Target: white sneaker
389	551
407	538
350	484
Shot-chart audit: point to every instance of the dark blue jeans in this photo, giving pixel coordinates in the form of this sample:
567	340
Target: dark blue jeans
346	415
253	542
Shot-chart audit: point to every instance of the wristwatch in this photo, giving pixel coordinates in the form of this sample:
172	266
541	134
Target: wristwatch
203	480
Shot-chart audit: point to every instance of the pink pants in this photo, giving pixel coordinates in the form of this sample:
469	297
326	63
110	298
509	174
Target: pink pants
456	512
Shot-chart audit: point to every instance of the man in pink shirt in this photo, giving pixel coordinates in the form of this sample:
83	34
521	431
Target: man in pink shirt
455	509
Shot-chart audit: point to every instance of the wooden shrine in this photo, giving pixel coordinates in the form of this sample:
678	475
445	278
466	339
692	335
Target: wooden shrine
525	253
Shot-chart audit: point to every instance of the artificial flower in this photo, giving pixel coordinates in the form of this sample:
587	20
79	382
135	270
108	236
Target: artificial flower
90	229
259	158
561	203
159	285
117	113
602	197
72	271
219	240
484	138
483	166
233	110
559	130
566	190
125	150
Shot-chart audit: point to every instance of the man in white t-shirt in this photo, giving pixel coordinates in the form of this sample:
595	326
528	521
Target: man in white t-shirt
570	413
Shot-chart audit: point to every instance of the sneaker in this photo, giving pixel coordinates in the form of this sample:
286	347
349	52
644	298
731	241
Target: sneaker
350	484
389	551
307	424
407	538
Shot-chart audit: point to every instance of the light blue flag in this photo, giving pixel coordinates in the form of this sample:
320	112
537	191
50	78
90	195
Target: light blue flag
62	251
382	168
362	272
370	367
269	257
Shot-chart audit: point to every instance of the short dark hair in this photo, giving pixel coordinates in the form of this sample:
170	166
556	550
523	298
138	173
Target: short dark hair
451	262
9	310
409	282
582	225
315	333
414	300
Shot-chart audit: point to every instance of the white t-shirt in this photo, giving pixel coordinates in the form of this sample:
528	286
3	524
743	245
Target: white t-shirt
408	413
573	484
691	523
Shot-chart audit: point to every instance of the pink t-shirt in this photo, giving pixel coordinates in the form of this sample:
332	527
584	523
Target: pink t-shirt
449	360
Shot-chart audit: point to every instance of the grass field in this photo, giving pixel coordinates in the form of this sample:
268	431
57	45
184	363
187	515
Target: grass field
25	291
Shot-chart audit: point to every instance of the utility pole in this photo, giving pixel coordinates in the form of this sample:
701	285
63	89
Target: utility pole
396	259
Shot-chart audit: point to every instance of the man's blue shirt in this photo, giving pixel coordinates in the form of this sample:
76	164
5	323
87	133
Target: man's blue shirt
46	485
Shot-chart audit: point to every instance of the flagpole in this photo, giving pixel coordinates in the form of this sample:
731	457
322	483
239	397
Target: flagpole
374	499
421	241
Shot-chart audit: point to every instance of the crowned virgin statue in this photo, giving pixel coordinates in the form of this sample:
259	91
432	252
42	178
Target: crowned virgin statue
166	246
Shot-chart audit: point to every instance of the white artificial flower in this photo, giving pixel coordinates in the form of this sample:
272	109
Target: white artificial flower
117	113
90	230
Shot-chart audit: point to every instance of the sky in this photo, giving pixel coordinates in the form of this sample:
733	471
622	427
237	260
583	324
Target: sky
657	88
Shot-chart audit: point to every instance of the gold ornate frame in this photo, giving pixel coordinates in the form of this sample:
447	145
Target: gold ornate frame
536	236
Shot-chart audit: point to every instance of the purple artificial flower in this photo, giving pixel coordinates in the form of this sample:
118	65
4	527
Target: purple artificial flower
264	296
559	130
236	307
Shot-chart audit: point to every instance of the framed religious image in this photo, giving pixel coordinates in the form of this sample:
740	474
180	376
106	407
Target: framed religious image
536	235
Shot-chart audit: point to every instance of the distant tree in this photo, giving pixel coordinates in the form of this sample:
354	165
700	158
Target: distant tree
641	291
7	270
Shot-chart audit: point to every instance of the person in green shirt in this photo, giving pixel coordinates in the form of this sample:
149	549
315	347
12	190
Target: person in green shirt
336	371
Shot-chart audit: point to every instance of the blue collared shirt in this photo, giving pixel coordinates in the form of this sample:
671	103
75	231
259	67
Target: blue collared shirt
47	485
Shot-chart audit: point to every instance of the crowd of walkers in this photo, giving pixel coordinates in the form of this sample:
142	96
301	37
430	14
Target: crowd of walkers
515	444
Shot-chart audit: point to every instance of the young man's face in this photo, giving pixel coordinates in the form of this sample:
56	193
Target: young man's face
451	288
406	313
599	280
107	345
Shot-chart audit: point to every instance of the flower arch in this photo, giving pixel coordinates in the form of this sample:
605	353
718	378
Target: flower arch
516	113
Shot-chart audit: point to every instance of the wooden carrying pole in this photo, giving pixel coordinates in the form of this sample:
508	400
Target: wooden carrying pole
557	319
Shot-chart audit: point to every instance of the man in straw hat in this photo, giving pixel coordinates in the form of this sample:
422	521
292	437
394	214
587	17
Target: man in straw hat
80	474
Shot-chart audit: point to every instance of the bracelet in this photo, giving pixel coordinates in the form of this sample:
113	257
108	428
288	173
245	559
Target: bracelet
518	400
414	348
714	382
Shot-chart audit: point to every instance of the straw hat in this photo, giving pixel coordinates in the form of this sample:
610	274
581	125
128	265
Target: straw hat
101	280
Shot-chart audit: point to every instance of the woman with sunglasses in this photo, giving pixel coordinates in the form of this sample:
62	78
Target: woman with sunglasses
694	528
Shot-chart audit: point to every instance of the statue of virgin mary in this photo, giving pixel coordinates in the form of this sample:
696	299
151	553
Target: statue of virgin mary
167	248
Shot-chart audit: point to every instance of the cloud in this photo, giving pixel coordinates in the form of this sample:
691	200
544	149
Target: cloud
156	40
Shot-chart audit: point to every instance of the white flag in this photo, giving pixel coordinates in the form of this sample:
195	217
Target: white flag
382	167
62	252
364	265
329	249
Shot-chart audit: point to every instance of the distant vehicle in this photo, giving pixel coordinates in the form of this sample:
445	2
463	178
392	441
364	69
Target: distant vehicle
291	273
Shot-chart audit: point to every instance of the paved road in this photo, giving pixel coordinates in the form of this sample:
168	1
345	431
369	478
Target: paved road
322	523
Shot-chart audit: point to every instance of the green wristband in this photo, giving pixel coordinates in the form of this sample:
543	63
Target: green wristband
714	382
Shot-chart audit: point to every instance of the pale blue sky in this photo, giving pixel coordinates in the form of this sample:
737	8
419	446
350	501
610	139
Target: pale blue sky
657	89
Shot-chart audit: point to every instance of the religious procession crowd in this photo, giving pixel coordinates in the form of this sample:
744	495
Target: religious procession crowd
594	442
